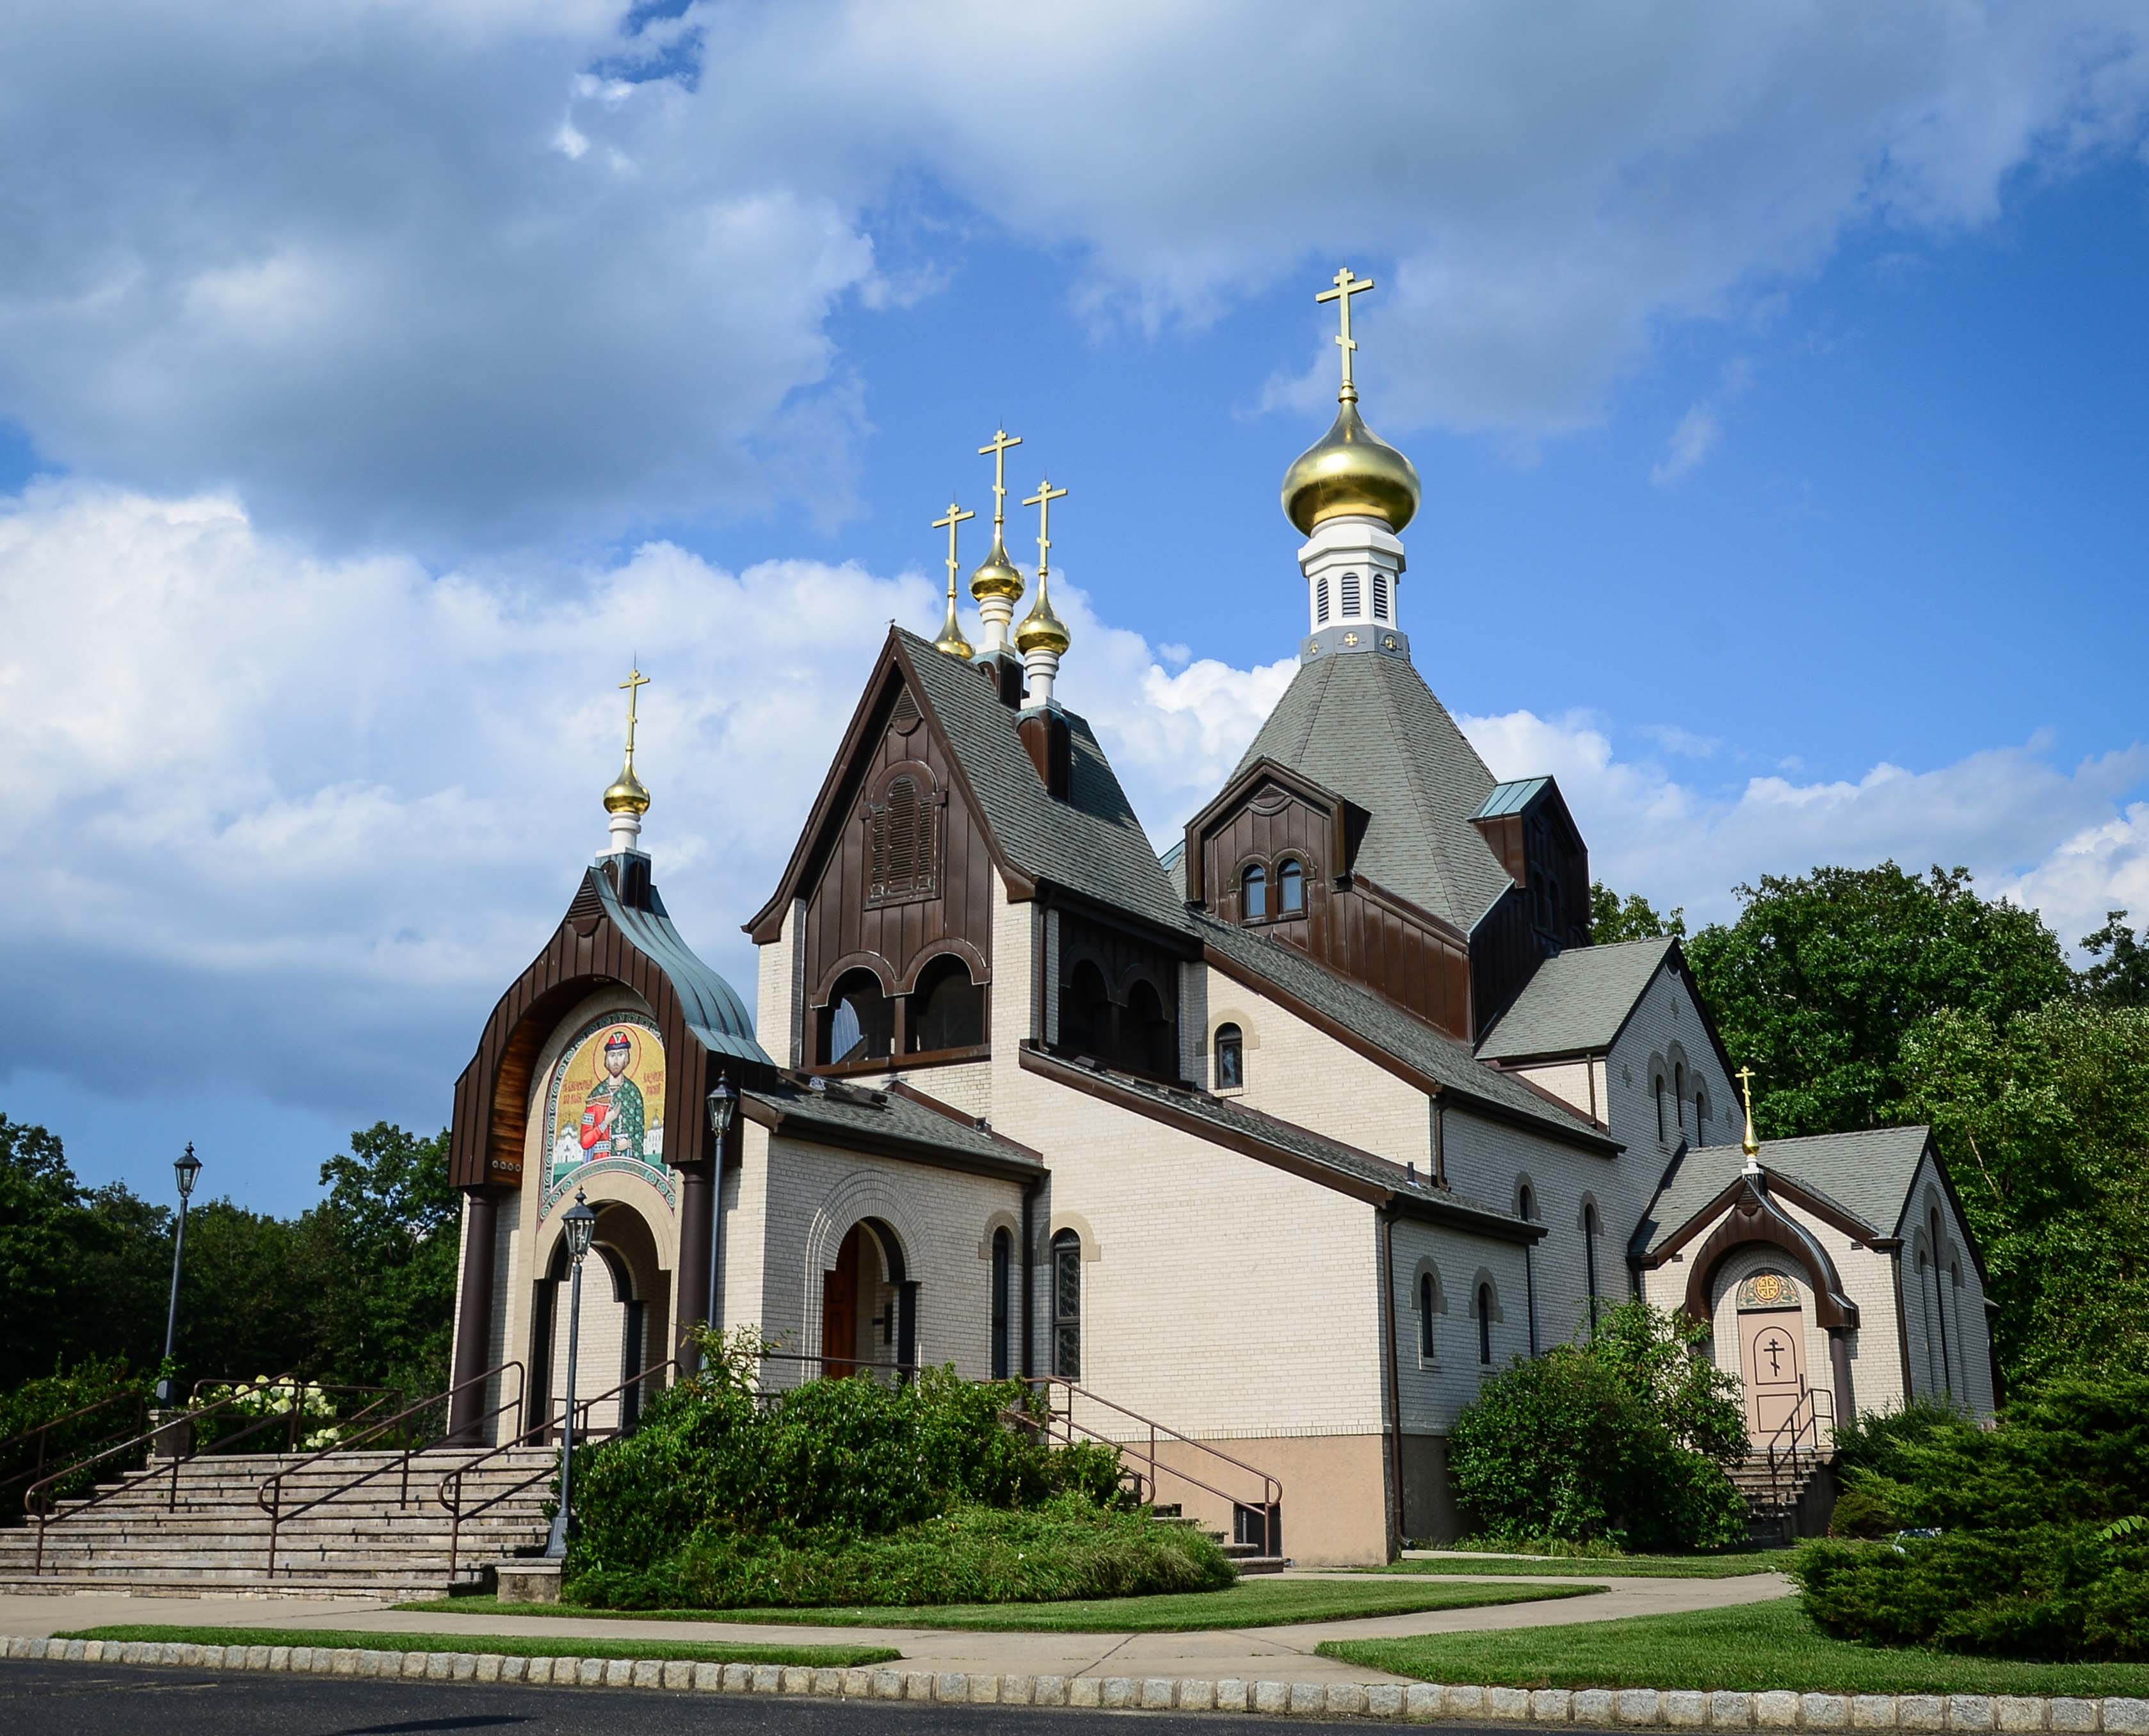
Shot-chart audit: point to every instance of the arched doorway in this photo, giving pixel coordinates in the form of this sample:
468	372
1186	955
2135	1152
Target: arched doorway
868	1303
1771	1323
624	1324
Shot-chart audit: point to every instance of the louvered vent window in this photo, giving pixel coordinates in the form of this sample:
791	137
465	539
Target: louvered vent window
1380	596
1320	601
901	839
1350	594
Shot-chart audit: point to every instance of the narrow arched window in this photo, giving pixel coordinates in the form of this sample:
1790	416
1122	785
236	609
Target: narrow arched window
1003	1286
1350	594
1526	1208
859	1022
1085	1011
1485	1324
1067	1306
1939	1305
1148	1042
1320	601
1678	1095
1254	893
1291	886
1589	1259
1380	595
947	1008
1659	1082
1425	1299
1231	1058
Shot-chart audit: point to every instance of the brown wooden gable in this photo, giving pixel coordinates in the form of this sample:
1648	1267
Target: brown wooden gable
586	953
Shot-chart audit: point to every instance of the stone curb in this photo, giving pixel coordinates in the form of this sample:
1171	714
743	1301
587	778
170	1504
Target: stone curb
1984	1714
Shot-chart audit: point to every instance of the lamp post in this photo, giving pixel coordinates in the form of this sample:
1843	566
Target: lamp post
185	1167
723	1105
580	1224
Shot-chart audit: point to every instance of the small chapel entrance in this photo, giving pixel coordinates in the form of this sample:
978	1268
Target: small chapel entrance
626	1302
1772	1357
869	1305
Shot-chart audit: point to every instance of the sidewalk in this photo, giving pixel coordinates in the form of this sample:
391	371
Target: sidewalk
1250	1652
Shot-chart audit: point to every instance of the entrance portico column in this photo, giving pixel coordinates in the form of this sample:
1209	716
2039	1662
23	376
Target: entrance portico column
474	1316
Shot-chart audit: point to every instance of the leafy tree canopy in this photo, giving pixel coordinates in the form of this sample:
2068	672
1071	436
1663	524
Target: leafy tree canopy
1612	919
2119	975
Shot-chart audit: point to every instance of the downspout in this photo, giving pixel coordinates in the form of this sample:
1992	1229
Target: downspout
1387	1219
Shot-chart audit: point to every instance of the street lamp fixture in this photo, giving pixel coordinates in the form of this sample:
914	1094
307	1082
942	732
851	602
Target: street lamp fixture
186	1167
722	1105
579	1225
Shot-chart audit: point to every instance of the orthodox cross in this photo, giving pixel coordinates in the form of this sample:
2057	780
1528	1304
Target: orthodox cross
955	517
998	446
1042	500
635	681
1346	286
1746	1078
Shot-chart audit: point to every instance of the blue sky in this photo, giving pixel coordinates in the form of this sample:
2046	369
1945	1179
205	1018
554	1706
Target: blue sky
370	394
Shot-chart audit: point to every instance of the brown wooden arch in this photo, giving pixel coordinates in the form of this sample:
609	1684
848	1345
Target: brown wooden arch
949	946
1756	1218
882	970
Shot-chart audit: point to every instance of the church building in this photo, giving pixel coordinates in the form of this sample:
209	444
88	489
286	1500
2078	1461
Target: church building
1261	1153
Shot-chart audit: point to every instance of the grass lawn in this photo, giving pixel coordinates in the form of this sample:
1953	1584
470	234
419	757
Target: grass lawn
1250	1603
1753	1647
1635	1567
513	1645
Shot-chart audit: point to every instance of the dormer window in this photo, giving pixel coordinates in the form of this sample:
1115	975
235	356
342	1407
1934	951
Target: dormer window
1291	886
1380	596
1350	598
1254	893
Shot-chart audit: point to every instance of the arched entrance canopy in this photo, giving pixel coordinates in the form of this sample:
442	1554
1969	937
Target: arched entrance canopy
1754	1218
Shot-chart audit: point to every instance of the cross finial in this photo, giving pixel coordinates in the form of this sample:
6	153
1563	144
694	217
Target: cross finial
1042	500
632	685
998	446
956	516
1750	1144
1347	285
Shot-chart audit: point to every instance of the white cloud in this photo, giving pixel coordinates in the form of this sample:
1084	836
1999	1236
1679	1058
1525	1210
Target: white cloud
1691	443
444	275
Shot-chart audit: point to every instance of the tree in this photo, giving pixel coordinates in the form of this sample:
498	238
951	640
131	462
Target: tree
1821	978
387	1236
1611	920
40	1231
2122	980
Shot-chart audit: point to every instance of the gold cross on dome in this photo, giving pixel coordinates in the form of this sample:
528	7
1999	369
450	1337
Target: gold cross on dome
1346	286
1751	1143
998	446
634	682
1042	500
956	516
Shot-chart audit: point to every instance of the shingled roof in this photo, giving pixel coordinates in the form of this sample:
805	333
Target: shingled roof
1577	1001
1866	1176
904	1120
1366	725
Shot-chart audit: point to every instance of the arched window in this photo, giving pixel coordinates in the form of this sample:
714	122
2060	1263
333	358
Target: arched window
1678	1095
1350	594
947	1008
1253	892
1067	1306
1659	1082
1485	1324
1425	1301
1003	1285
1526	1208
1939	1305
1085	1013
1231	1058
1291	886
1150	1045
859	1022
1589	1258
1320	601
1700	1114
1380	595
902	840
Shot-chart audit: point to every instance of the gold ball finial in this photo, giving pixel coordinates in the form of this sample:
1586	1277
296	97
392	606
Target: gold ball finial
626	794
1041	629
1350	471
997	576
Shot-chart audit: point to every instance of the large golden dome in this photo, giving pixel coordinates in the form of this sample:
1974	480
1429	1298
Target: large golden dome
996	575
627	795
1350	470
1041	629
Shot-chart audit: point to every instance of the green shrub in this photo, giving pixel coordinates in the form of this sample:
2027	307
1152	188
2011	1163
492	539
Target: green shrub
1622	1440
2036	1554
49	1397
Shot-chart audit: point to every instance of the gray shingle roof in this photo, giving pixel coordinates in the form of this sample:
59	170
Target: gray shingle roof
714	1011
842	1111
1388	1027
1366	725
1866	1175
1577	1000
1090	844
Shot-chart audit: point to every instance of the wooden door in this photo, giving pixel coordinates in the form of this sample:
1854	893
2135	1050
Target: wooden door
1772	1360
839	1305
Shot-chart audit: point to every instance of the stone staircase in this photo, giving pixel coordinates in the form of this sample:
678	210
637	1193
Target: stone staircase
1772	1506
1246	1558
360	1541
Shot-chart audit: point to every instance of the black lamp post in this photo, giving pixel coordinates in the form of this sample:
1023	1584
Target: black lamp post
185	1167
723	1105
580	1224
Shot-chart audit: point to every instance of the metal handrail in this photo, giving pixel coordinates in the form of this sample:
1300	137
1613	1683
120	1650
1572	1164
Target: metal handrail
139	1401
40	1498
1805	1420
1272	1502
269	1496
453	1502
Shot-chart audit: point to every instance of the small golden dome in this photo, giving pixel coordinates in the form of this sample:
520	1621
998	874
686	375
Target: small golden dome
997	576
951	639
627	795
1041	629
1350	470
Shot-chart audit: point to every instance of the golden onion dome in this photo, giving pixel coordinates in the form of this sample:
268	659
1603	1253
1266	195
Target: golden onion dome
951	639
1350	470
1041	629
997	576
626	794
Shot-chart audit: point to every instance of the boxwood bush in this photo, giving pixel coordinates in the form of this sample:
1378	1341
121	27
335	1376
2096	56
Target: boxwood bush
851	1491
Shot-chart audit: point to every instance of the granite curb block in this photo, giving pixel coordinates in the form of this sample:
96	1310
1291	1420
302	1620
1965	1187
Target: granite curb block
1975	1714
